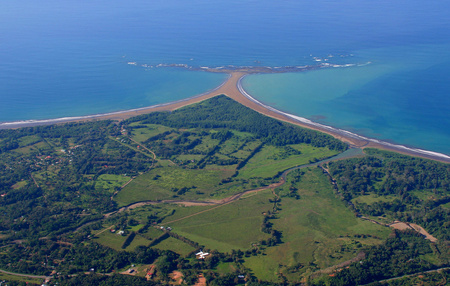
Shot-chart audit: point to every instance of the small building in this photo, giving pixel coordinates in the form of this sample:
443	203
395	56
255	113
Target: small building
150	272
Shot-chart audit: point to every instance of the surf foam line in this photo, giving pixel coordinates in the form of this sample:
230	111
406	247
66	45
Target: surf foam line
340	131
33	122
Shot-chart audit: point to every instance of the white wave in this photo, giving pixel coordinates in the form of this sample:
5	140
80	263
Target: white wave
341	131
34	122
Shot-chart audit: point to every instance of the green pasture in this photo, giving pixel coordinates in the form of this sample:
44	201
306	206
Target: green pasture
229	168
115	241
225	267
263	267
207	144
142	213
175	245
267	162
141	134
19	185
430	194
318	229
251	145
237	186
241	154
133	146
137	241
233	226
152	233
231	145
221	156
29	140
164	163
40	145
159	183
180	212
373	198
112	240
136	227
188	159
109	182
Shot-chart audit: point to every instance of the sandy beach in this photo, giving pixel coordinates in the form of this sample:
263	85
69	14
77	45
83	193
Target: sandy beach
233	89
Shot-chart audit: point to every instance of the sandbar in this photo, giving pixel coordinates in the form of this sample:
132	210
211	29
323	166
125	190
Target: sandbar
233	89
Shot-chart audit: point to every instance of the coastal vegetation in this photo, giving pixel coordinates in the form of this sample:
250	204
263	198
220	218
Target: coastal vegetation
139	198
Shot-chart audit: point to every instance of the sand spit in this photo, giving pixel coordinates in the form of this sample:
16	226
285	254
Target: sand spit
232	88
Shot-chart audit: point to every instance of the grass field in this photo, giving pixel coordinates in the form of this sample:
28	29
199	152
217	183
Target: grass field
20	184
165	163
115	241
160	183
241	154
137	241
112	240
430	194
29	140
153	233
233	226
373	198
318	231
175	245
109	182
40	145
232	145
206	145
136	227
189	157
225	267
142	134
263	267
271	159
182	212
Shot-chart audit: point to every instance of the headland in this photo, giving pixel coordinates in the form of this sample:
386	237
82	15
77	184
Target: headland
232	88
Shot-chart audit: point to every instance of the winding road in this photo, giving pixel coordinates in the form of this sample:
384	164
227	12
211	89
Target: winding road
218	203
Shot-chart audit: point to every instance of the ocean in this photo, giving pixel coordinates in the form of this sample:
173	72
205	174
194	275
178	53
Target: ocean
77	58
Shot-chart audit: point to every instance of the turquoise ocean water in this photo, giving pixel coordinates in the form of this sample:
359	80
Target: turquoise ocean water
75	58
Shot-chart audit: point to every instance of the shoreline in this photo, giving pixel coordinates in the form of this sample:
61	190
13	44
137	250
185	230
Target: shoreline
349	136
232	88
115	115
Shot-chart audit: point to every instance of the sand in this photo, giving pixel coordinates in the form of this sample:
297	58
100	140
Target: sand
232	89
404	226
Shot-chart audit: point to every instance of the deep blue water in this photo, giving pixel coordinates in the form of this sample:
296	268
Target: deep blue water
70	58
